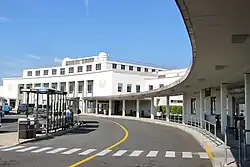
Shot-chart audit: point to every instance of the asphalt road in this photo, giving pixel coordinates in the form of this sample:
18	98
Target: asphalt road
145	146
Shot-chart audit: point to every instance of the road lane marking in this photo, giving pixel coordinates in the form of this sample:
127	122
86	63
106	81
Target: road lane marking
27	149
152	154
104	152
13	148
87	152
203	155
119	153
170	154
71	151
136	153
187	155
56	150
42	149
109	148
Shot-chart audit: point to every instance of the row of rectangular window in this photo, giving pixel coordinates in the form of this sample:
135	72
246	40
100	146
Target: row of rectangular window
62	70
63	86
131	68
129	88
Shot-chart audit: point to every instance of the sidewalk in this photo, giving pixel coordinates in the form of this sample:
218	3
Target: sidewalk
216	153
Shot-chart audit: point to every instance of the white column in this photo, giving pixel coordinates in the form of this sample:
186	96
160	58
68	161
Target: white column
96	107
76	89
223	107
230	109
137	108
152	108
123	107
167	108
247	106
110	107
67	86
201	106
84	106
85	88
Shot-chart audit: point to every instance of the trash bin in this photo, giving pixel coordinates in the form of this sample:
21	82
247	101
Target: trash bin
32	128
23	127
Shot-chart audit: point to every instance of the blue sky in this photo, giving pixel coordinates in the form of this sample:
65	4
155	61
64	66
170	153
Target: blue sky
39	33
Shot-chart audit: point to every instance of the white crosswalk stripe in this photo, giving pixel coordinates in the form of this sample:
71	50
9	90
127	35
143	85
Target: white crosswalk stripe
87	152
104	152
119	153
136	153
27	149
170	154
187	155
42	149
56	150
203	155
98	152
13	148
71	151
152	154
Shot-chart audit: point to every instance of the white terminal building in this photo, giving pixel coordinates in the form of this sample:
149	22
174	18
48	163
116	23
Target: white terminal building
95	76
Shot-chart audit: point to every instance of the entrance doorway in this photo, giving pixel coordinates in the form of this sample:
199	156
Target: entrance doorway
117	110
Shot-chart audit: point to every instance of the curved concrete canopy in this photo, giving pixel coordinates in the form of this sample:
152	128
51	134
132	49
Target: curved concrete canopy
219	31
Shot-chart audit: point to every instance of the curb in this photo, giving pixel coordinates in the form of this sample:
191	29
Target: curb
205	144
49	136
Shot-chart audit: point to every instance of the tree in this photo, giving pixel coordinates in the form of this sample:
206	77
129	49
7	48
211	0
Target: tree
173	109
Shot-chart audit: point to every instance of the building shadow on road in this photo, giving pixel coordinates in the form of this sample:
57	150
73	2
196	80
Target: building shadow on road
87	127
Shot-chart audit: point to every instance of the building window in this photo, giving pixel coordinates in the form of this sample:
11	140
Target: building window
114	66
62	71
54	71
193	106
71	87
153	70
98	66
80	86
29	73
119	87
71	70
146	69
54	85
161	85
138	69
45	72
37	73
138	88
90	86
45	85
28	86
37	85
208	92
213	105
63	86
150	87
131	68
79	69
129	88
89	68
123	67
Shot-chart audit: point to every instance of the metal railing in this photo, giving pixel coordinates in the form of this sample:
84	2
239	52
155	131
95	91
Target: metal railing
205	127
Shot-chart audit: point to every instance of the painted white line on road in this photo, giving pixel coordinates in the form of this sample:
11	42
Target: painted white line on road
42	149
3	147
56	150
13	148
87	152
152	154
119	153
27	149
104	152
170	154
136	153
71	151
203	155
187	155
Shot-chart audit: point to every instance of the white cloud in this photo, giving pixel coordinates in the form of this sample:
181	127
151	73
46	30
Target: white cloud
4	19
58	60
32	56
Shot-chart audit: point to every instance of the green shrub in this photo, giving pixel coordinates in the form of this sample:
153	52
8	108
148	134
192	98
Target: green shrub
173	109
